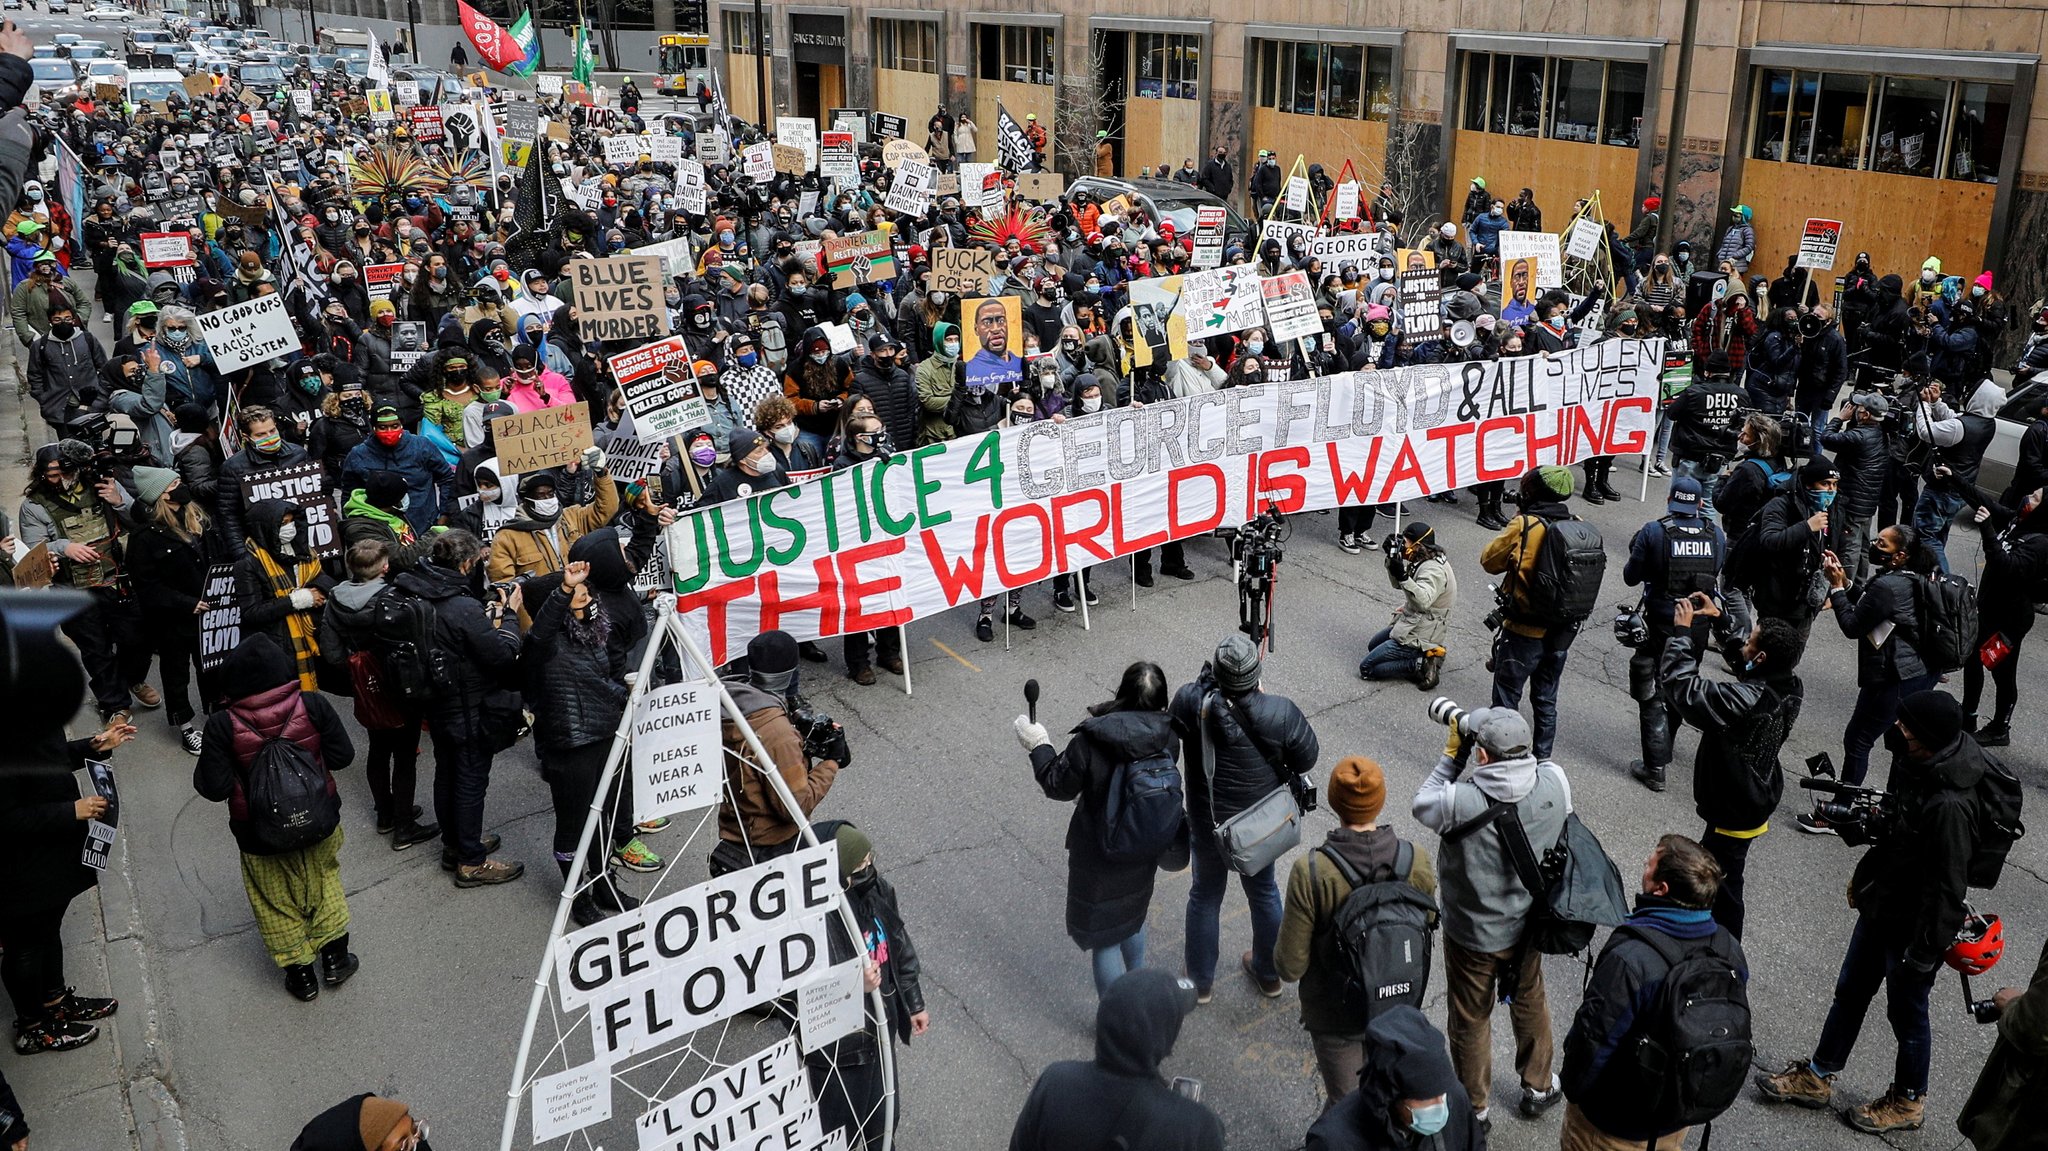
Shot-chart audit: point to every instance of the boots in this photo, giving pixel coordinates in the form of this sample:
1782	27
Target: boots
336	963
1490	515
1591	494
585	911
301	982
607	895
1606	474
1997	733
1645	774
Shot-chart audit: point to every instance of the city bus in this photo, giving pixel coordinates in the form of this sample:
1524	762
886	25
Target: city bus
682	62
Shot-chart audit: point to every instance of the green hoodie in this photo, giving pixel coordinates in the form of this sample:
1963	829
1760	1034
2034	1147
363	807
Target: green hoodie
935	379
359	505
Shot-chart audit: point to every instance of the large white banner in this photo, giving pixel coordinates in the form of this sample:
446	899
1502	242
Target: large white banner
924	531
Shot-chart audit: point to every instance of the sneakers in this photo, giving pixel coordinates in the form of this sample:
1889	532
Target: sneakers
1813	824
1021	621
1348	544
1088	593
654	826
636	856
1535	1103
192	738
75	1008
1660	469
491	842
411	834
387	821
1997	733
1432	669
864	677
1203	994
146	697
51	1034
1643	773
489	873
1063	600
1896	1111
1798	1084
1269	990
985	629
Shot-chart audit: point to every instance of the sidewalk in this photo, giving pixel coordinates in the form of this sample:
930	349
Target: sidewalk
111	1094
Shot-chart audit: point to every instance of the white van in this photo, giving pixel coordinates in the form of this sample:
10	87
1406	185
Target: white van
154	85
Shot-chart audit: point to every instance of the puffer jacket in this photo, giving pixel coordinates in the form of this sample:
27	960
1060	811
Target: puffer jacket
361	520
236	468
577	687
1792	555
1106	901
756	808
531	547
894	395
1889	597
478	658
264	703
1428	594
1861	456
1244	773
1736	777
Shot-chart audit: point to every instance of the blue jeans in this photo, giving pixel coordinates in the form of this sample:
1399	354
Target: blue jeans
1205	903
1932	517
1111	962
1877	707
1873	961
1389	659
1520	660
1698	470
1664	428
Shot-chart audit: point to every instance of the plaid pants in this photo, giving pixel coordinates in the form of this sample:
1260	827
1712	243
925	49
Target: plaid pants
298	900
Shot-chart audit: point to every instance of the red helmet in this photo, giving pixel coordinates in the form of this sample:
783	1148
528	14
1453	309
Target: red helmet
1978	945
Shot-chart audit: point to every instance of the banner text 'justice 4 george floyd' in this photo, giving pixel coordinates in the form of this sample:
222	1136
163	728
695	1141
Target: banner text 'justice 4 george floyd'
924	531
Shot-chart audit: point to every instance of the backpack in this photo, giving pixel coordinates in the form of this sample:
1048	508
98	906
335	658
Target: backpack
374	707
1382	931
1945	606
1740	516
1575	885
1691	1047
1999	797
1564	586
1143	811
402	638
290	797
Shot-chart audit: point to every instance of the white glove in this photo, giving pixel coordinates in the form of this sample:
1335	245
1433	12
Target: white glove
302	599
593	458
1031	734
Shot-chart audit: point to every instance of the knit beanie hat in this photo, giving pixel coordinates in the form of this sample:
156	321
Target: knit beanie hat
384	488
854	849
379	1117
1552	480
151	483
1817	470
1358	790
1934	718
1236	664
771	661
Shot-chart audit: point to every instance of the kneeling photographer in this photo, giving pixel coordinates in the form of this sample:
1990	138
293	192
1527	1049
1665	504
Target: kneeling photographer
1908	890
808	750
1412	646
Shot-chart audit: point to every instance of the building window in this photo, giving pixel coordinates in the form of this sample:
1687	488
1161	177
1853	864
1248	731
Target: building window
739	33
907	45
1168	65
1575	100
1561	98
1622	121
1014	54
1341	81
1904	125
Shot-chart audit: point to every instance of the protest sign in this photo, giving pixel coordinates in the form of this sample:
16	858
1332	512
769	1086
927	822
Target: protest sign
837	158
619	297
864	258
377	102
1346	207
981	186
665	149
1818	244
1296	195
1040	185
1540	247
546	438
405	92
623	151
715	148
1583	241
1208	240
912	190
1421	305
1159	330
1290	306
949	183
35	567
891	127
789	159
548	83
961	271
220	620
1358	249
1221	300
166	249
771	1081
426	123
201	84
100	829
678	761
831	1007
1283	231
949	523
522	121
248	333
853	120
304	484
800	132
380	280
408	344
659	388
990	343
690	185
675	255
757	162
895	152
571	1101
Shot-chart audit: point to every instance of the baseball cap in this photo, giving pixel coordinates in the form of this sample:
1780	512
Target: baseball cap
1872	400
1684	499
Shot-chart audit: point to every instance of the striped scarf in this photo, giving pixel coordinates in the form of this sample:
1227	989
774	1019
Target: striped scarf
283	582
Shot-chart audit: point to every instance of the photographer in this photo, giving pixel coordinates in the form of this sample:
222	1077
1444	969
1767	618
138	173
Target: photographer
1485	905
1959	443
2015	563
1788	539
1761	472
1823	365
81	514
1704	420
1529	648
1863	456
1908	892
1884	611
807	750
1774	363
1238	744
1736	777
1674	559
1412	646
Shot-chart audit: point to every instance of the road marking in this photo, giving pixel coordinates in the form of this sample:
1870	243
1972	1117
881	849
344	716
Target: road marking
956	655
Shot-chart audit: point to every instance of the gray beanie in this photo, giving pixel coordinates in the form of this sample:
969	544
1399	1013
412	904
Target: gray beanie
1236	664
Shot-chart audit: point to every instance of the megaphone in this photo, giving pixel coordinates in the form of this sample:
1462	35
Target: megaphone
1463	333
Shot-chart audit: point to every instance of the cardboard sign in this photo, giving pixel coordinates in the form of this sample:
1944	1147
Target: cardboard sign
380	280
110	93
548	438
1040	185
1290	306
757	162
619	298
38	568
949	183
166	249
199	84
895	152
678	761
789	158
800	132
660	389
838	158
1540	247
961	271
891	127
911	192
248	333
1818	244
304	484
867	258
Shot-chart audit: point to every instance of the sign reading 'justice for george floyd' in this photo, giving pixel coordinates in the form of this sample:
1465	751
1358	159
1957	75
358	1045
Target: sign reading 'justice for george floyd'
895	540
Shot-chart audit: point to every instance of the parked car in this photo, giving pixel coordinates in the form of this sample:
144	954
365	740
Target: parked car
1166	200
2003	456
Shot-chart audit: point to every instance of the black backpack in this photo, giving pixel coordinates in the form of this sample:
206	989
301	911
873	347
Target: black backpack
1999	797
1143	811
1382	931
402	636
1689	1053
1946	633
290	797
1563	587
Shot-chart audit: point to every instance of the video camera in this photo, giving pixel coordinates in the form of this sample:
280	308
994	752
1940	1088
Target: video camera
1256	548
100	445
1858	814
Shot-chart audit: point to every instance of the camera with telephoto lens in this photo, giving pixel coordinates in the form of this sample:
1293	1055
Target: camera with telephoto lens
1445	710
1859	815
502	589
1257	548
823	737
1499	614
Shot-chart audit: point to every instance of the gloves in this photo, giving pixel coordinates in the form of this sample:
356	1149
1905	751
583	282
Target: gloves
1397	568
593	458
302	599
1031	734
1454	741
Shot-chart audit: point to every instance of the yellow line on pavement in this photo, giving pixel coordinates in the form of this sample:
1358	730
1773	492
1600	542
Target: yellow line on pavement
956	655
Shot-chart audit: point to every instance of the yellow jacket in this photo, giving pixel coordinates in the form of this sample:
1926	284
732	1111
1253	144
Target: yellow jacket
518	551
1512	554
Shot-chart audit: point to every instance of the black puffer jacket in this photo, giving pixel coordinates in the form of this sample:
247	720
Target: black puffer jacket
1792	551
1914	879
1887	598
1860	455
895	397
236	468
1742	490
1244	773
262	608
168	573
1736	777
576	687
479	658
1106	901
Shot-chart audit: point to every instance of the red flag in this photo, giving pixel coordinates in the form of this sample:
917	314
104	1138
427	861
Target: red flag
494	45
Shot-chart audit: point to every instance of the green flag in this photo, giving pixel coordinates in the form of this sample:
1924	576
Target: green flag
586	57
529	44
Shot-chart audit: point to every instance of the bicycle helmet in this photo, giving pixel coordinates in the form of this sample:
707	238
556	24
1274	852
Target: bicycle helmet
1978	945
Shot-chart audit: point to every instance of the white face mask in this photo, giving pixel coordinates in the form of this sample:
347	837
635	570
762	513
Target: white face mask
489	495
287	534
820	357
1091	403
786	434
1926	277
547	507
939	298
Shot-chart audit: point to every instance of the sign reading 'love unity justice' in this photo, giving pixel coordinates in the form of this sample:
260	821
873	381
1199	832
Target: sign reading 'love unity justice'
921	532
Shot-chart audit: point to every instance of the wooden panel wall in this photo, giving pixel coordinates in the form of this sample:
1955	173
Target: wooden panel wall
1899	220
1161	132
1559	171
911	95
1019	99
1321	140
739	85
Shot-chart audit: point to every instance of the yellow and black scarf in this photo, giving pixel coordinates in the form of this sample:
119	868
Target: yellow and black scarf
283	582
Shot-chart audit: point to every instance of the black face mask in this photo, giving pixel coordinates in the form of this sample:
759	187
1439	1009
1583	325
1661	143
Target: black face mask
1895	741
179	497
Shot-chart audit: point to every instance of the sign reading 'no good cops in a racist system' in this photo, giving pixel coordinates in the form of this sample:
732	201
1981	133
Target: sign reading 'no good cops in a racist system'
248	333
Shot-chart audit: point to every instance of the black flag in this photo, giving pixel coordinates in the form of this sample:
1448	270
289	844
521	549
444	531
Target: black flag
1013	147
536	200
